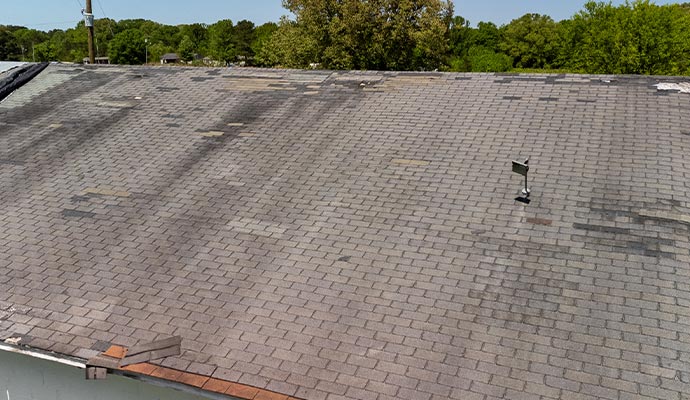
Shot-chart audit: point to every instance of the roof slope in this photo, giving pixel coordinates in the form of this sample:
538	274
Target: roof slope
354	235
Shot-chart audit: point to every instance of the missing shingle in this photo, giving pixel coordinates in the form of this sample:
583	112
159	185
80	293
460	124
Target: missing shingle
586	101
512	98
344	258
13	341
463	78
77	214
410	162
548	99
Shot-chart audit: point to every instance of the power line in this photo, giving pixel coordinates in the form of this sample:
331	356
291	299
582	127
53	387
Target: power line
52	23
101	7
105	16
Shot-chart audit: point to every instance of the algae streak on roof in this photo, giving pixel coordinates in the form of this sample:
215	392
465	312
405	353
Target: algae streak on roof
354	235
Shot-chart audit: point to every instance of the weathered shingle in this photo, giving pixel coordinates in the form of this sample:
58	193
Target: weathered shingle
354	235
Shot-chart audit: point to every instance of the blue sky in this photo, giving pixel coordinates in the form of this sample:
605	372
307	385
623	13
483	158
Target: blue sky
49	14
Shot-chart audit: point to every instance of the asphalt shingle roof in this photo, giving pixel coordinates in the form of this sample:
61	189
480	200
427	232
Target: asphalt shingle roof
355	235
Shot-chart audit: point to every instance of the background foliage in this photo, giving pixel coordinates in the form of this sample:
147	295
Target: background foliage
638	37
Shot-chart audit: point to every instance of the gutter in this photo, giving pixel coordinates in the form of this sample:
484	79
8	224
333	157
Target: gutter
19	77
42	356
123	373
150	374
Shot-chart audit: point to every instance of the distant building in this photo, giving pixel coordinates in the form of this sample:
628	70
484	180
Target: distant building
98	60
170	58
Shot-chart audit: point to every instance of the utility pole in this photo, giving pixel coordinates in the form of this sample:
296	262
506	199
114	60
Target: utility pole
88	21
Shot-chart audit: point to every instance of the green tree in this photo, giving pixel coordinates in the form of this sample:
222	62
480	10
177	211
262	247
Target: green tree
27	39
243	36
186	49
633	38
487	35
484	40
198	34
482	59
262	34
289	46
9	48
103	34
532	41
380	34
46	51
222	41
128	47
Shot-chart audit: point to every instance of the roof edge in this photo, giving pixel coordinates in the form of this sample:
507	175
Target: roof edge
197	382
18	77
54	357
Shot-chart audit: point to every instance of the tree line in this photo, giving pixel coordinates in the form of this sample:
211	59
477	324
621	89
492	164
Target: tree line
132	41
637	37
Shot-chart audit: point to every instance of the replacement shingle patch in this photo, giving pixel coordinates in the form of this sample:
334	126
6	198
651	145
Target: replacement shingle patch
100	191
540	221
117	104
410	162
259	84
11	162
235	123
212	134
